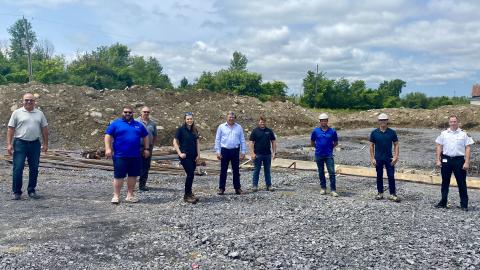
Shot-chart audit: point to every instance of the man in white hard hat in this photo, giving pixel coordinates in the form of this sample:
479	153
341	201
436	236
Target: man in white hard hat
325	138
381	141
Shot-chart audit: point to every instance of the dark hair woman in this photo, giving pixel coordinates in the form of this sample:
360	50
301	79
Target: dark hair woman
187	145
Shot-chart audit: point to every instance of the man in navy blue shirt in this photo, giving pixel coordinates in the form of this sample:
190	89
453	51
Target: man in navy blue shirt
325	138
126	134
381	141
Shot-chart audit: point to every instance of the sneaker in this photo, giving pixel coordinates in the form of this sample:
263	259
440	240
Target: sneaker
221	191
238	191
33	195
379	196
394	198
189	199
334	194
255	188
115	200
144	188
323	191
131	199
464	209
17	197
270	188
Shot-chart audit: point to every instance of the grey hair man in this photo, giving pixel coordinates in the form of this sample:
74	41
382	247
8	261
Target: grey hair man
151	127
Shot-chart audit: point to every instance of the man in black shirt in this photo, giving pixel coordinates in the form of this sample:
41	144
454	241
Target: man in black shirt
261	139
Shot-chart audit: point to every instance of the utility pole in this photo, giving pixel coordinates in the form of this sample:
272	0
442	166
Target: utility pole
29	55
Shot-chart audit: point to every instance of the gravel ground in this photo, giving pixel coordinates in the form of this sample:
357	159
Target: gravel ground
75	227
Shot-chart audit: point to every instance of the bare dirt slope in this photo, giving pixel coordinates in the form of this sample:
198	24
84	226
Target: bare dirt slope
78	116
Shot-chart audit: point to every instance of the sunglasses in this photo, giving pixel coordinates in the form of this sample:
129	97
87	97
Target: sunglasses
28	100
188	113
128	112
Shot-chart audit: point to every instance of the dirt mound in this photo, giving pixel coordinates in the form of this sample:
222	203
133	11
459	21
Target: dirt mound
78	116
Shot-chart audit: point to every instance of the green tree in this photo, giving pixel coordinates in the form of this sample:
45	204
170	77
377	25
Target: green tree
184	84
22	39
238	62
392	88
415	100
207	81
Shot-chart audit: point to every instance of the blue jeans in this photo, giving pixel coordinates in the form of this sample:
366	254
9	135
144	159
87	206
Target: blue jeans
267	161
22	150
331	172
390	174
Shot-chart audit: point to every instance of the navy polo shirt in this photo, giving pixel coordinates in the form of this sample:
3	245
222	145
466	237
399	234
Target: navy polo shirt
126	137
383	143
324	141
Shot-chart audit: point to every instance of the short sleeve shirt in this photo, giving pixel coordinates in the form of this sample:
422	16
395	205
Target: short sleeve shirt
28	124
187	141
324	141
262	138
383	143
126	137
454	142
151	128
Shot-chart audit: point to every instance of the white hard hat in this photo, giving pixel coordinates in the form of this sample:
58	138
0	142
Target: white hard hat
323	116
382	116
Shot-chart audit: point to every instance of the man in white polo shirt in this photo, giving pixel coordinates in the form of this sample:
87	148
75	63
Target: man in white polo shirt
25	127
453	155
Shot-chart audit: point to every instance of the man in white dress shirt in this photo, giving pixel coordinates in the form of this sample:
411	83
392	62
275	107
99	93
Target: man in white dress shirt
230	147
453	155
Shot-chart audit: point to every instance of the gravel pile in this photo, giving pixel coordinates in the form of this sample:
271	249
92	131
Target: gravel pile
75	227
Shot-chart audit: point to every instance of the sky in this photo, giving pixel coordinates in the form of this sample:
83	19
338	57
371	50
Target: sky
432	45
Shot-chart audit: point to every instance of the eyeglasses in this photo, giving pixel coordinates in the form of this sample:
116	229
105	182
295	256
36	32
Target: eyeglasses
128	112
188	113
28	100
145	112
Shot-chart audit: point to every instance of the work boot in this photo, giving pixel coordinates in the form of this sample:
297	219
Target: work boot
379	196
189	199
270	188
254	188
194	197
334	194
463	208
441	205
221	191
238	191
323	191
17	197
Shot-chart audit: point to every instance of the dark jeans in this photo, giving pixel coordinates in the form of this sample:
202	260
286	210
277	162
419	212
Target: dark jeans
142	180
30	151
233	156
390	174
267	161
454	164
331	172
189	166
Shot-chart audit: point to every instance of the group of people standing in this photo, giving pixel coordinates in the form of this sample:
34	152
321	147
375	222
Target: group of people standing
129	142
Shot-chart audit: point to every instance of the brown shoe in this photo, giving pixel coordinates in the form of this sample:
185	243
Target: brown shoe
194	197
238	191
189	199
221	191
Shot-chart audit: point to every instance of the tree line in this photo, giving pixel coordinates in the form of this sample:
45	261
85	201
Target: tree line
114	67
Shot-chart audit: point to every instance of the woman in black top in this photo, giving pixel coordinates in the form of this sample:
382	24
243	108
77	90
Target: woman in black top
187	145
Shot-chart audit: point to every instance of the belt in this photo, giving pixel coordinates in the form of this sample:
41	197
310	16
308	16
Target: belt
445	156
25	141
231	148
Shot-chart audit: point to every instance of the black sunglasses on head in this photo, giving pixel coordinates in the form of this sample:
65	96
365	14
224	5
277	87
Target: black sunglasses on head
188	113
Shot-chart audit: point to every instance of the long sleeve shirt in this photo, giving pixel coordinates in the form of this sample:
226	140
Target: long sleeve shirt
230	137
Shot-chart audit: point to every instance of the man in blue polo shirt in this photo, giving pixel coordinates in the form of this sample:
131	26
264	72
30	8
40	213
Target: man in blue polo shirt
381	141
325	138
125	133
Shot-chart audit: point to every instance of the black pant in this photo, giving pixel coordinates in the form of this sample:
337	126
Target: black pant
455	165
142	181
189	165
233	156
